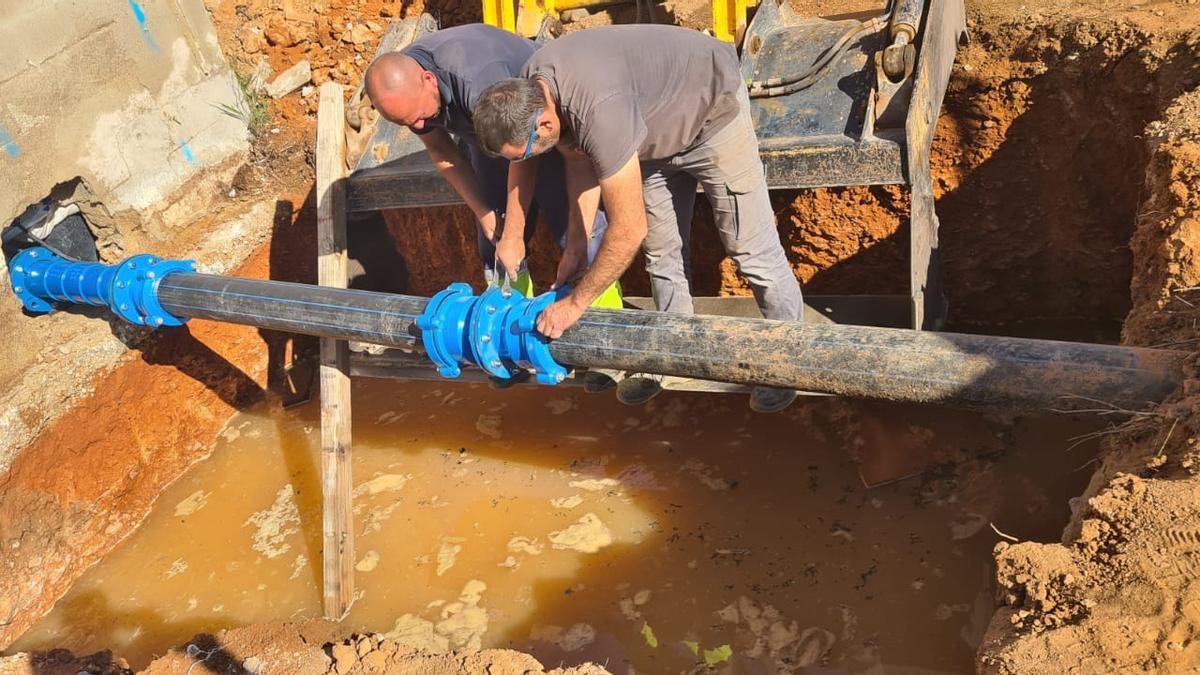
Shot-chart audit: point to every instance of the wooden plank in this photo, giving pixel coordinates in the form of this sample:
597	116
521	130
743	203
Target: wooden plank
945	25
336	483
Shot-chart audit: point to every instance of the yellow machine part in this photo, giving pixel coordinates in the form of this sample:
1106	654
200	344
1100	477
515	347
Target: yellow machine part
729	16
729	19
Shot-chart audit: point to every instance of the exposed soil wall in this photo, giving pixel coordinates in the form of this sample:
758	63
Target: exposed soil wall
1120	593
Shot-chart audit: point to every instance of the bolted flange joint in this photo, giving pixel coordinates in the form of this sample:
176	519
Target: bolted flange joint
495	331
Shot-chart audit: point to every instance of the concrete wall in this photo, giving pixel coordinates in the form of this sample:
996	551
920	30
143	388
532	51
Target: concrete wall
125	94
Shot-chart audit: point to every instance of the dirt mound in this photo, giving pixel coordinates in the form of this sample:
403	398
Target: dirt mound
377	654
1123	596
321	647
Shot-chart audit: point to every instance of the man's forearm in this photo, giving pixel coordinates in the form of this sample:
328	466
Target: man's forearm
522	176
622	194
615	254
456	170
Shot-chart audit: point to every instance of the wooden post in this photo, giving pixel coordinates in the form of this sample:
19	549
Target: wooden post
336	484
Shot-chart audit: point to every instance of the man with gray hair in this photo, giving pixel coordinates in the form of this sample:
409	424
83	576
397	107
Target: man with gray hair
642	115
431	87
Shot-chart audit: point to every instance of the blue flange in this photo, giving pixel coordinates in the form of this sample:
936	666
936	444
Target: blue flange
443	327
135	291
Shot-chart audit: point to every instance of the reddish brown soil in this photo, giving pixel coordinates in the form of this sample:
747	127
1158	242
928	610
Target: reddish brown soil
1122	592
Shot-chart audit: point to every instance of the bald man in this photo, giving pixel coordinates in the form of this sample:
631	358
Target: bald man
431	87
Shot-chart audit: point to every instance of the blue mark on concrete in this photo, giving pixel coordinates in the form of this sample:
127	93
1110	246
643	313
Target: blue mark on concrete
140	15
7	142
187	152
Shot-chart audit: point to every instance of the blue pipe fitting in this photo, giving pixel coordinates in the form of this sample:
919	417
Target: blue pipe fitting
495	331
443	327
130	289
529	348
488	323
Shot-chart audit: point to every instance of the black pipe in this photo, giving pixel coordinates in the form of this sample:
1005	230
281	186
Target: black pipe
857	361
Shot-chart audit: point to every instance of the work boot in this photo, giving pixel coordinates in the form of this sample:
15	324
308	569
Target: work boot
770	399
596	380
519	377
639	388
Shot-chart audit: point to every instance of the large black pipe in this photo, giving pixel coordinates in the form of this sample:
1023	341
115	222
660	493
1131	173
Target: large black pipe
881	363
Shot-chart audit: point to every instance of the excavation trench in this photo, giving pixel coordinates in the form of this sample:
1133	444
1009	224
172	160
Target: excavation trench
181	497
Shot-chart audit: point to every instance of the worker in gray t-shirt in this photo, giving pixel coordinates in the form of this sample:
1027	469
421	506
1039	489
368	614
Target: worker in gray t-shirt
641	115
431	87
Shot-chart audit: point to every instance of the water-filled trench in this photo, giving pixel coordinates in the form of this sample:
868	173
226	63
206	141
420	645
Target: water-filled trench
565	524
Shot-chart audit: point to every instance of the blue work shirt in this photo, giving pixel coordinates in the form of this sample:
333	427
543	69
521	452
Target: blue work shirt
466	60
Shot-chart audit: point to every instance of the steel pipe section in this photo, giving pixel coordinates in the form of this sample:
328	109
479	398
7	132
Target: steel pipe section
856	361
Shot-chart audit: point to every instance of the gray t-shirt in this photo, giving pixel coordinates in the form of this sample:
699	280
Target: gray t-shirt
650	90
467	60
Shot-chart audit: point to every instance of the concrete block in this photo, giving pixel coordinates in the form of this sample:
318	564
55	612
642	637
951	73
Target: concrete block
290	80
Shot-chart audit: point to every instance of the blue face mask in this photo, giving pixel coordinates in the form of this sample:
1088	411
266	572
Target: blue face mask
532	134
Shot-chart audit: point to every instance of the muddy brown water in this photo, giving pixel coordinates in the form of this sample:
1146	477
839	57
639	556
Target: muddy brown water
567	525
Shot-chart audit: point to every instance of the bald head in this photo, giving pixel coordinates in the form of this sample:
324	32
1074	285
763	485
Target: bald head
402	91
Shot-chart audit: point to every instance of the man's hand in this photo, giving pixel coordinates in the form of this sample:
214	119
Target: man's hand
571	266
510	253
491	226
559	317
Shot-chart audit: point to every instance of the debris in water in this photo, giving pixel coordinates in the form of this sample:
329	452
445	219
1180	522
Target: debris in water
587	535
368	562
561	405
776	637
648	634
575	638
180	565
448	553
489	425
566	502
388	482
192	503
417	633
274	525
298	565
704	473
525	545
464	622
595	484
719	655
